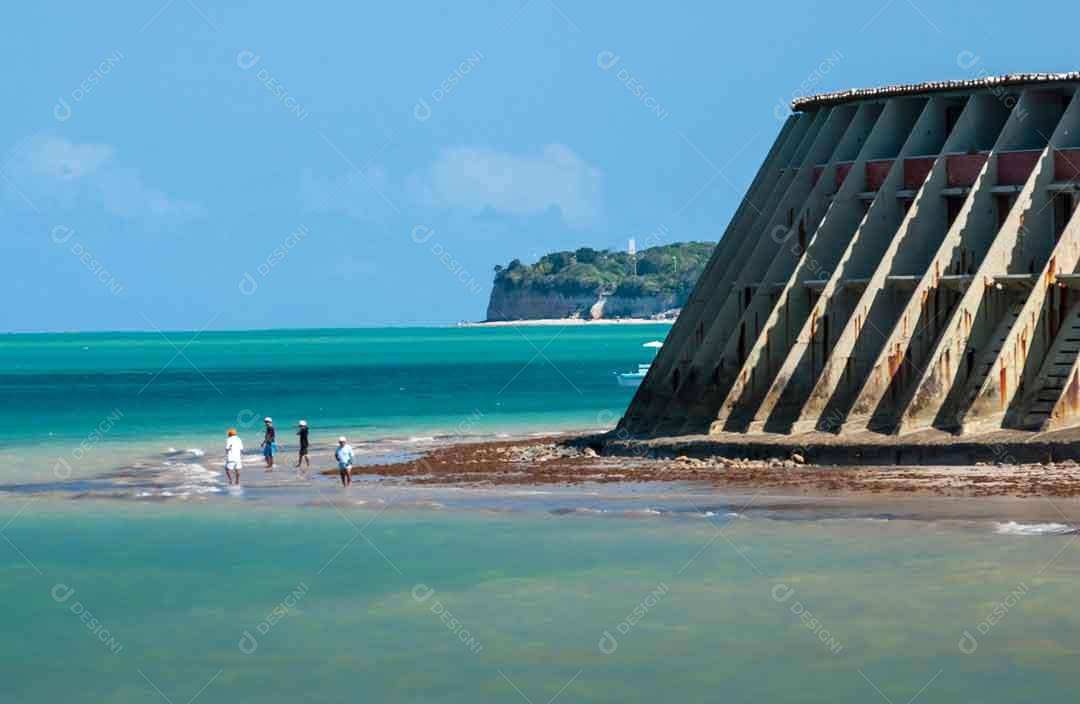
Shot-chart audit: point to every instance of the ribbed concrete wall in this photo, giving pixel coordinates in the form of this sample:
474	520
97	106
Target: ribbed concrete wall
903	259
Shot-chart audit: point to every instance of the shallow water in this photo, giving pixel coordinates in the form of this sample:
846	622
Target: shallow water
333	602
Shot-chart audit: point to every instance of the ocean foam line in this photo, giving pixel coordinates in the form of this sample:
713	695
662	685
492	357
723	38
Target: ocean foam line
1014	528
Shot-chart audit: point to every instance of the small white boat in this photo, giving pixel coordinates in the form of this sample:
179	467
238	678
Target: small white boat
634	379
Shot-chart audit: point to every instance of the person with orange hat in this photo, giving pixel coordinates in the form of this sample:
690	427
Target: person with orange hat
234	451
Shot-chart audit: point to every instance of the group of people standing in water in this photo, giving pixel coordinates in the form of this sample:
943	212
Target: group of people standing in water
234	451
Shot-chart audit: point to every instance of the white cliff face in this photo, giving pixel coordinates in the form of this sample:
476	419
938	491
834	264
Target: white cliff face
529	304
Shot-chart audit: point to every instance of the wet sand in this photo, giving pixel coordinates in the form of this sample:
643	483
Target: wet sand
570	460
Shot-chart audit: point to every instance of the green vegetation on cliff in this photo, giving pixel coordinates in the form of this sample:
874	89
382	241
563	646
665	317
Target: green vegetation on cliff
666	270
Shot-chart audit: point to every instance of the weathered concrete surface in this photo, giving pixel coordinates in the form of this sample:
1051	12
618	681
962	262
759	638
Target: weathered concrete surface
900	262
1039	324
843	237
1033	405
883	391
713	277
803	251
918	233
1021	246
787	195
767	266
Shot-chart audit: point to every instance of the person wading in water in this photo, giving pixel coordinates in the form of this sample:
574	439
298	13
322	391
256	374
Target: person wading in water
269	443
234	451
344	456
303	456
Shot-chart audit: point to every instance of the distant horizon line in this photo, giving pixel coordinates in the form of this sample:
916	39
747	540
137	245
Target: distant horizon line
377	326
195	330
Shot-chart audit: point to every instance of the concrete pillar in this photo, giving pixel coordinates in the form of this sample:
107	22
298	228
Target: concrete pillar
1022	244
801	206
852	383
712	279
659	386
906	257
921	319
774	314
1024	348
787	389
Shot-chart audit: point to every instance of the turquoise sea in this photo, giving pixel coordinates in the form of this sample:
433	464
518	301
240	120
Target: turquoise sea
129	573
373	382
100	401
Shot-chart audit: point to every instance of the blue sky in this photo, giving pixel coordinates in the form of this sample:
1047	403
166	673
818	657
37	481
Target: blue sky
197	164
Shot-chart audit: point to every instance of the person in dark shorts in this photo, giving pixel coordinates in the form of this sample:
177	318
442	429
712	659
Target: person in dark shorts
303	433
269	443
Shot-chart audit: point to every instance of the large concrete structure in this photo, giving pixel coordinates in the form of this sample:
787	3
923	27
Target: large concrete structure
905	258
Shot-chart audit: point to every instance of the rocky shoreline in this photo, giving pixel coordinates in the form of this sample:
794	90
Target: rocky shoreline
571	460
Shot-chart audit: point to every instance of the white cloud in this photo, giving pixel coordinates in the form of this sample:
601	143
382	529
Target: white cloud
51	172
125	194
530	184
59	159
358	193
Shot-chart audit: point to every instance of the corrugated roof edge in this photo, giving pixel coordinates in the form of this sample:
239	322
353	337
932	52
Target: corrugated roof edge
1008	79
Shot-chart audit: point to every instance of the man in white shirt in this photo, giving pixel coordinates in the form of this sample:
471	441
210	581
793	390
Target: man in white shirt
234	451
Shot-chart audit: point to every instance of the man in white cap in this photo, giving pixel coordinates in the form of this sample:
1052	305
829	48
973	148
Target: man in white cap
344	456
269	443
303	433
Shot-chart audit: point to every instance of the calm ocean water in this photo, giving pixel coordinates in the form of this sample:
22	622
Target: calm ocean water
104	400
130	574
376	382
